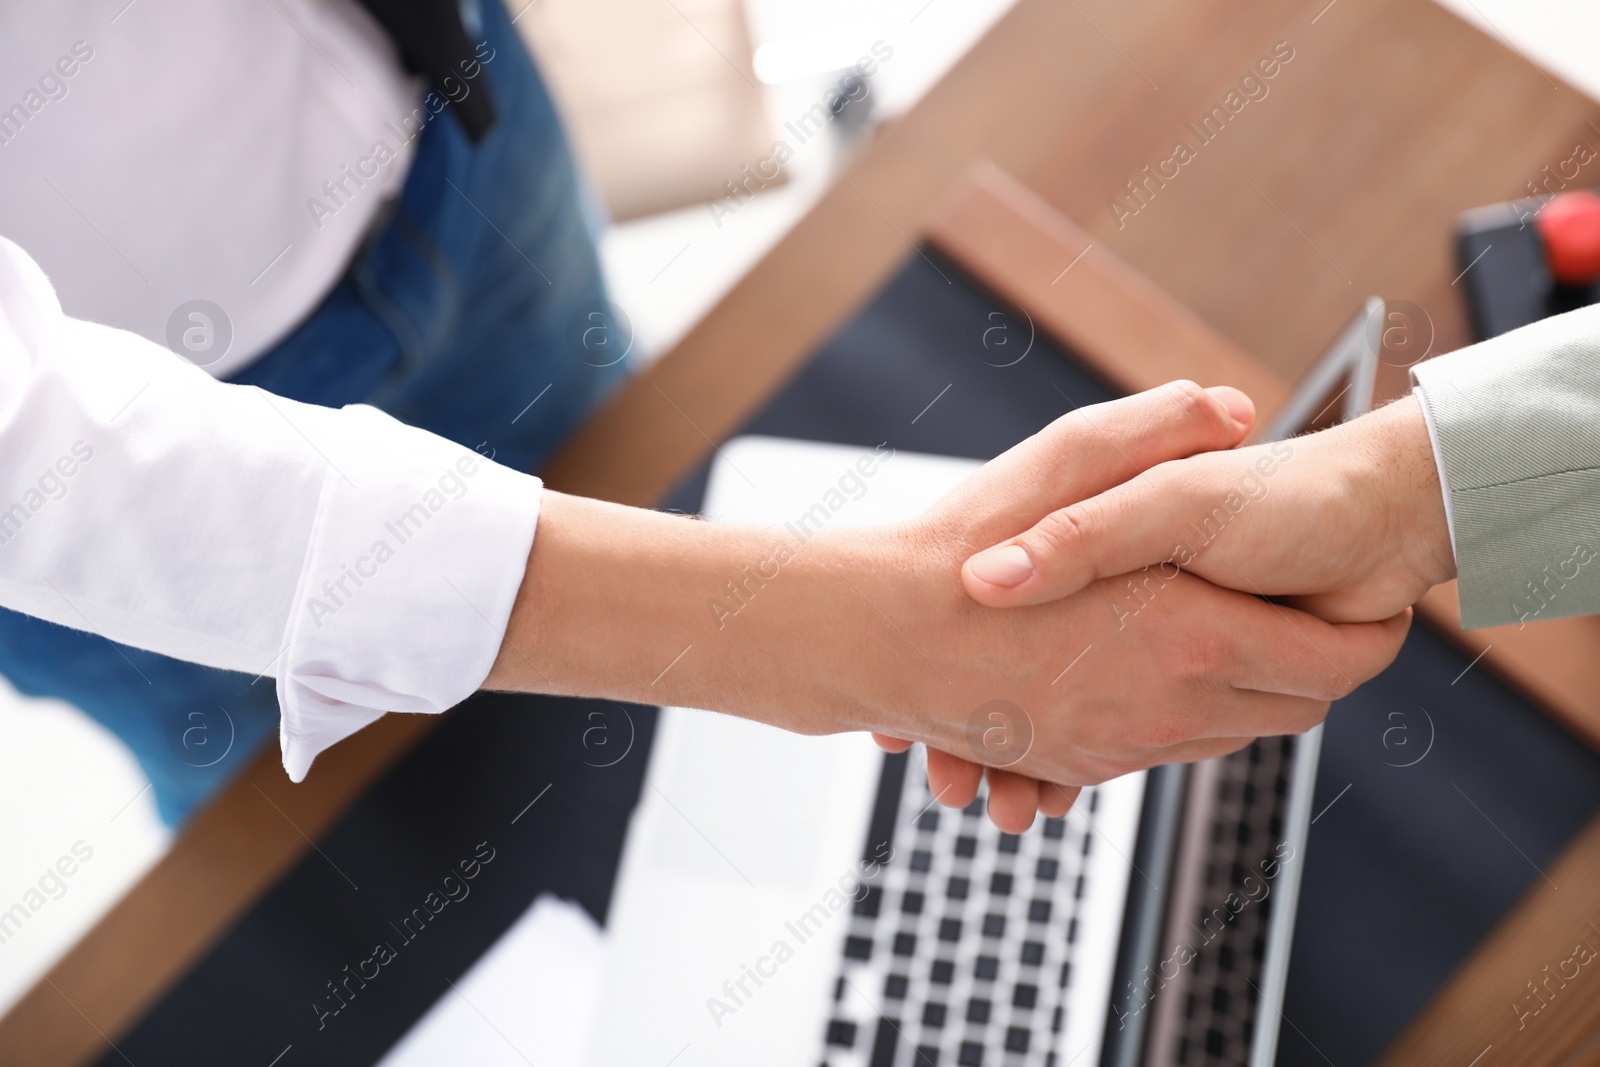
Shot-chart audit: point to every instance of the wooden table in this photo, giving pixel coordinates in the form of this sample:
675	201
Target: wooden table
1341	181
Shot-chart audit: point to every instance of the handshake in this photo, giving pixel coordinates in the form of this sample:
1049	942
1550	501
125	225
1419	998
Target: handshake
1126	588
1142	521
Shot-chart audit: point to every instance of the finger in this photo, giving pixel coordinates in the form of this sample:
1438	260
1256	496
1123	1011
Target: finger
1288	651
1232	713
1092	536
953	780
1125	528
1091	449
891	744
1056	800
1359	604
1241	409
1013	800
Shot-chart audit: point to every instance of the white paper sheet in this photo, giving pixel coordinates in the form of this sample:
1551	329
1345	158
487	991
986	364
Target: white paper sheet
531	999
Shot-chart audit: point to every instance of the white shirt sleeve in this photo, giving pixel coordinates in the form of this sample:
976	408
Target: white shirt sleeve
1438	464
367	565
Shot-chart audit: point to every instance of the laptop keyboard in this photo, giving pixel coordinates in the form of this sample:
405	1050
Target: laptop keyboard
1209	1013
962	955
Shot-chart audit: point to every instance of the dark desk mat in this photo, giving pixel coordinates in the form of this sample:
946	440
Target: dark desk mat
463	793
1427	849
1404	875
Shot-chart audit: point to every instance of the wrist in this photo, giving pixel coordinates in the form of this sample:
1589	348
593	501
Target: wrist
1402	480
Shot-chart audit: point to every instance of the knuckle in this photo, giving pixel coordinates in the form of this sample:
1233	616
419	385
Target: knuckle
1164	731
1322	680
1198	407
1194	656
1061	532
1188	394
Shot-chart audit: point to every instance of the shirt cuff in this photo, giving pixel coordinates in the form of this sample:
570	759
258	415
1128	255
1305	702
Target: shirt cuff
416	555
1438	462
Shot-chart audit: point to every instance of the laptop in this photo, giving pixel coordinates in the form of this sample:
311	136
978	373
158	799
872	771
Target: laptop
790	900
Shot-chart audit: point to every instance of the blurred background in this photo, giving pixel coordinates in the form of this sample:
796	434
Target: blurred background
681	110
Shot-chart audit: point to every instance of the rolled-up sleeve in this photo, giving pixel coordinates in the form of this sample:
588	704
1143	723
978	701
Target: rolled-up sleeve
366	565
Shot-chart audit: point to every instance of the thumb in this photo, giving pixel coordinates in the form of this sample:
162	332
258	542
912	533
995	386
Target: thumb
1130	526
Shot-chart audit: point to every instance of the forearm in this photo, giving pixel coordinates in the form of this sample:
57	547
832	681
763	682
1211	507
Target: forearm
637	605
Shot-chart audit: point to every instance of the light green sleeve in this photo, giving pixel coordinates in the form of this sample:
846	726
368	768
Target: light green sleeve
1515	422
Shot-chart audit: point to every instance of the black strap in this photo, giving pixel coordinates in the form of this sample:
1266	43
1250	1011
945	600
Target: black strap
432	38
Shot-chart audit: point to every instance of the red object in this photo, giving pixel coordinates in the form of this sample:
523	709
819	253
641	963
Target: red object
1569	225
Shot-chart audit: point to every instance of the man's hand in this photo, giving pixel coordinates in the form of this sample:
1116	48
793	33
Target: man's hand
1349	523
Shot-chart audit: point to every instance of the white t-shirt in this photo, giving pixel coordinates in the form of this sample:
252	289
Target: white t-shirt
159	152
